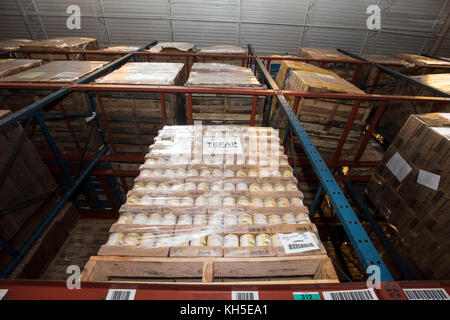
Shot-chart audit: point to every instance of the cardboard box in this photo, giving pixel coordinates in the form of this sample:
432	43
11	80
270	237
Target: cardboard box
411	188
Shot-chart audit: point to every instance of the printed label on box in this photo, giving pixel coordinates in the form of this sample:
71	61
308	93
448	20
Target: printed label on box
428	179
399	167
3	293
66	75
31	75
323	75
298	242
443	131
222	146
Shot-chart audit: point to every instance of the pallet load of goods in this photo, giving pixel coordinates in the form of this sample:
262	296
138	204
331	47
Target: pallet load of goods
109	57
9	67
372	80
173	47
223	49
13	44
425	65
439	81
135	117
222	108
51	73
213	204
324	119
411	189
395	116
64	44
338	64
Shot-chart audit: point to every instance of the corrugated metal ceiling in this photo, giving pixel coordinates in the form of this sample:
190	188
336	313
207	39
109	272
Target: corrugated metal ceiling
273	27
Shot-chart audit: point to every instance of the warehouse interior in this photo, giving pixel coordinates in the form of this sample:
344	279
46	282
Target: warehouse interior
191	149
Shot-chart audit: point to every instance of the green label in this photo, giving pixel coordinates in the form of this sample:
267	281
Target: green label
306	296
31	75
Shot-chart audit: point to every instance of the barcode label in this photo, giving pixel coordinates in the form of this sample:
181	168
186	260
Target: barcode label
366	294
244	295
120	294
426	294
298	242
300	245
3	293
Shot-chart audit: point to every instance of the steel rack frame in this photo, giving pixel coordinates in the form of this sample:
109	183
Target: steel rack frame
365	249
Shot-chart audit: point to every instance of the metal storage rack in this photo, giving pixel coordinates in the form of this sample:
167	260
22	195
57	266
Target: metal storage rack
362	244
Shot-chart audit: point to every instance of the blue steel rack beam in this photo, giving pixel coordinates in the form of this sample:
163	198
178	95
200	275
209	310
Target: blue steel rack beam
34	110
407	275
361	242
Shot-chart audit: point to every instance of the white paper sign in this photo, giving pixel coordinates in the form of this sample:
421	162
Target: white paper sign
3	293
298	242
322	75
399	167
222	146
443	131
66	75
428	179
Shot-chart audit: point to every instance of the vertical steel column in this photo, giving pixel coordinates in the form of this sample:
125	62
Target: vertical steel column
253	115
347	128
69	126
373	125
356	72
107	192
268	61
163	109
190	115
112	183
187	67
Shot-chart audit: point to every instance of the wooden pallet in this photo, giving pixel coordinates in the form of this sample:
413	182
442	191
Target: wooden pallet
273	270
